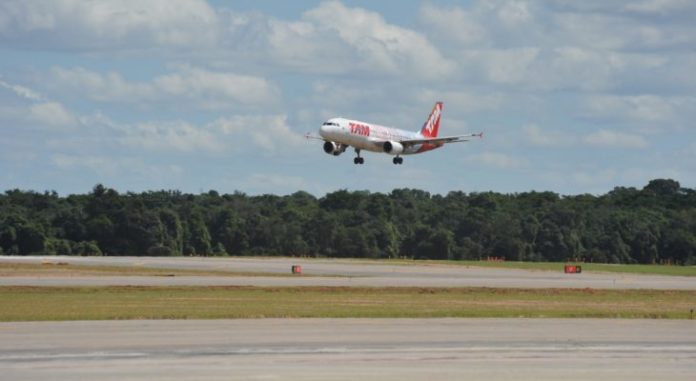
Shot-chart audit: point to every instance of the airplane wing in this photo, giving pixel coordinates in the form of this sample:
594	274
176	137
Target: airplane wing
310	135
441	140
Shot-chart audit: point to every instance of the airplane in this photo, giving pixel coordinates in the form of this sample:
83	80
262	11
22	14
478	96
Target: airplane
340	133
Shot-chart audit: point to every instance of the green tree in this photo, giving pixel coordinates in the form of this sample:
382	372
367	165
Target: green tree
87	248
197	236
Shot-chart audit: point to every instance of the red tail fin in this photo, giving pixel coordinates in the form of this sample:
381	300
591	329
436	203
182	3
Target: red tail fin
432	125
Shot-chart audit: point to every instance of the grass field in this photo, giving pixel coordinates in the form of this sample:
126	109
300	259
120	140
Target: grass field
591	267
98	303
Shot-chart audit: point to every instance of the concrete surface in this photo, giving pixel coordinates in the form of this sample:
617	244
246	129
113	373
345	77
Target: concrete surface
350	349
328	272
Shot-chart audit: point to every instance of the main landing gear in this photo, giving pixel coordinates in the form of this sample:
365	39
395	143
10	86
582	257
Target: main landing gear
398	160
358	160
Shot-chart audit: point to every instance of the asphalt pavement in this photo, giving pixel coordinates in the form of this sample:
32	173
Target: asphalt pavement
337	272
350	349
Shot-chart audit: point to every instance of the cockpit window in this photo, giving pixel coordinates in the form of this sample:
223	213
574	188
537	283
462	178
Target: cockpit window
330	124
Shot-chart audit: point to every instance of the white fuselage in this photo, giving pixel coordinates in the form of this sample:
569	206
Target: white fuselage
366	136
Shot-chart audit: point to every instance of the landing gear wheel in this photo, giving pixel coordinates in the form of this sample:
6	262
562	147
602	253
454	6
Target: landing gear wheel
358	160
398	160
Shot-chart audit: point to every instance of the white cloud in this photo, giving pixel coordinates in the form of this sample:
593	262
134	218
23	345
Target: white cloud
577	67
660	6
661	111
608	138
51	114
22	91
454	24
98	164
515	13
263	133
539	137
495	159
34	110
267	132
616	139
485	24
563	45
178	136
208	85
100	87
378	43
603	177
508	65
463	101
210	89
42	116
330	38
100	25
107	166
333	38
622	27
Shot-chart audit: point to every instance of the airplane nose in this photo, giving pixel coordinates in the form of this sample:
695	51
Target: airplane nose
327	129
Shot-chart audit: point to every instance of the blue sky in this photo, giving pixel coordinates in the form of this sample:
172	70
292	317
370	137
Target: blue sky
572	97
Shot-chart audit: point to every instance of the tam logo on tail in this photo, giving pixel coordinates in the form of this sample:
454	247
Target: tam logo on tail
432	125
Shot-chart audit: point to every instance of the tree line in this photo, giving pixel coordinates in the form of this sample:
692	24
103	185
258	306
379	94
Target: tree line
655	224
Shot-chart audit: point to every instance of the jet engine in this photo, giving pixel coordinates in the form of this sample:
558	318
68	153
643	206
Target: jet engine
334	149
393	148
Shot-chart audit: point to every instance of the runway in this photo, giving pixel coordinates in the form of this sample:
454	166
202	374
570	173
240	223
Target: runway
335	272
349	349
346	349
